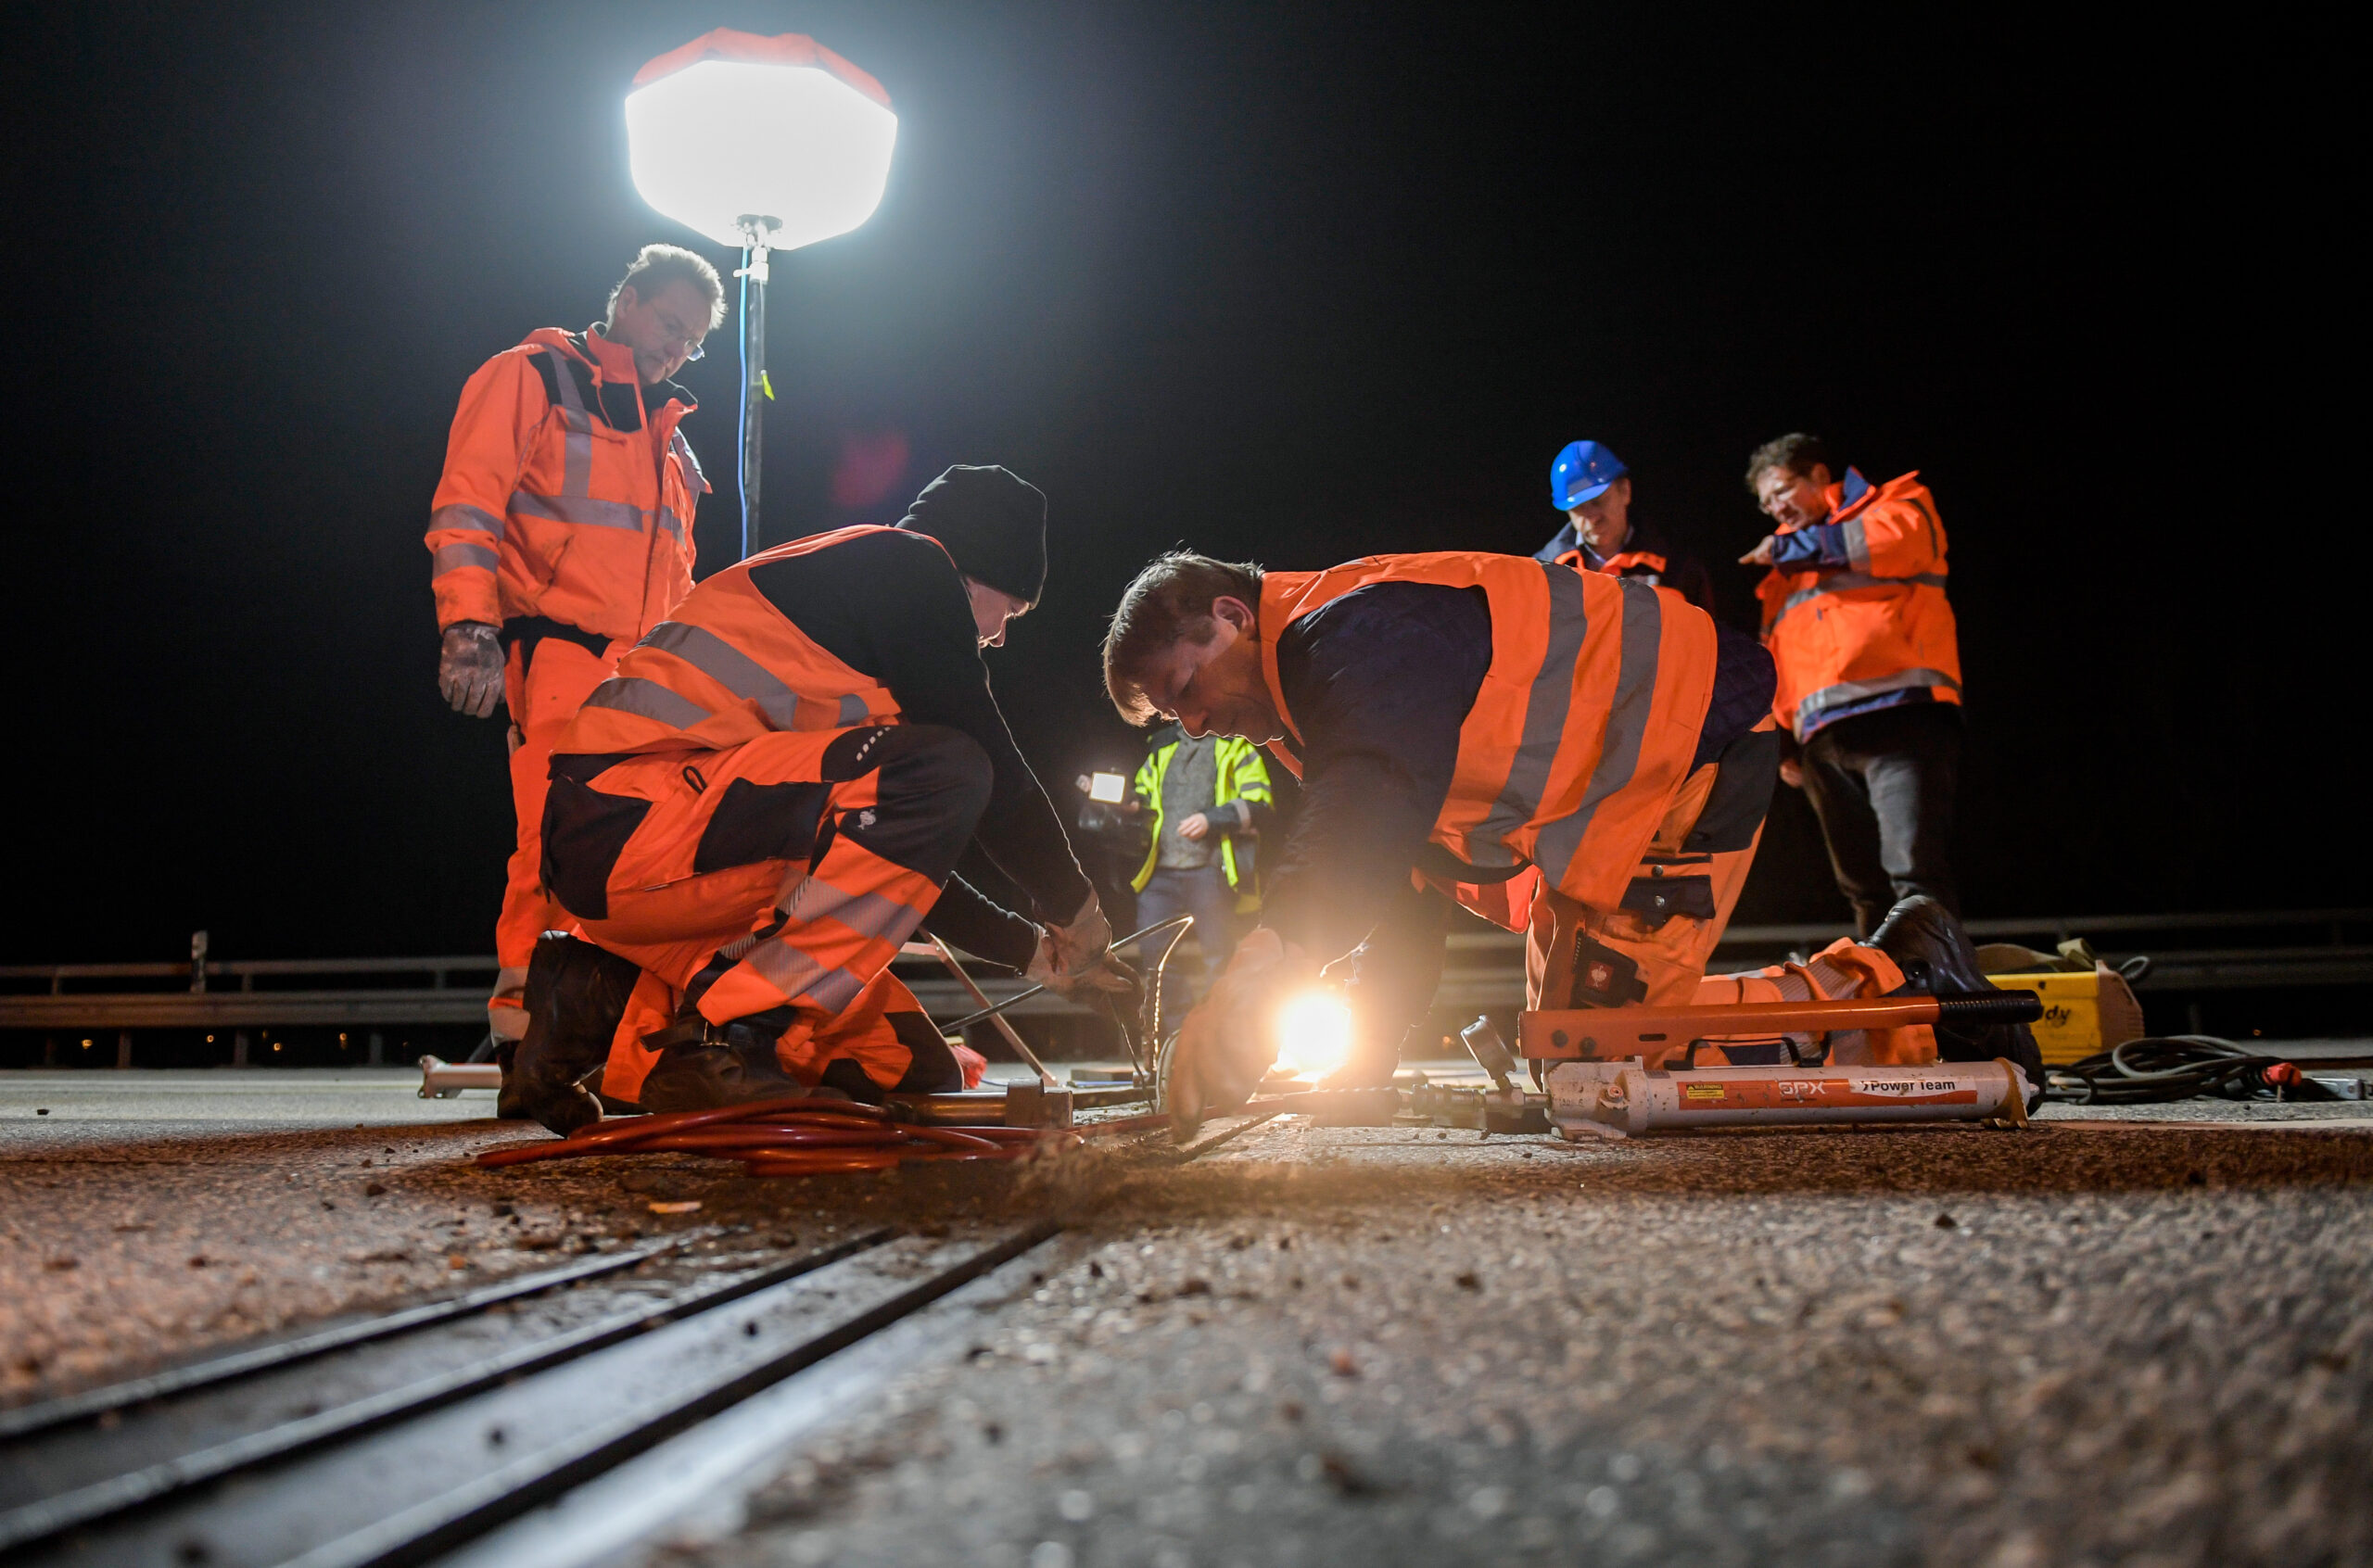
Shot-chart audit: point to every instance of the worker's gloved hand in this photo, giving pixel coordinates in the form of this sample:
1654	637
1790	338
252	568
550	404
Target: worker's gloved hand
1227	1043
1107	974
1080	943
469	668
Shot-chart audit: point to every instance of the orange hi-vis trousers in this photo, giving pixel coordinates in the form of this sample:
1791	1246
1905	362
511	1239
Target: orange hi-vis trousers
545	681
782	873
1579	956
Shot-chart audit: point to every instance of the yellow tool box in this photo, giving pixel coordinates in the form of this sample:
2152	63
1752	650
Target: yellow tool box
2083	1013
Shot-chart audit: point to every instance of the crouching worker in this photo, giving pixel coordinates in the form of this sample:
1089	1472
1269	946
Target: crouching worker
1582	757
771	796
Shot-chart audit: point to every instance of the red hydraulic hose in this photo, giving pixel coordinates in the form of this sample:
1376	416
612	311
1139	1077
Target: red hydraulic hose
785	1137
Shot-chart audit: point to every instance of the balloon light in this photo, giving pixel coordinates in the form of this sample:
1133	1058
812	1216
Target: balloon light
734	131
1314	1033
768	144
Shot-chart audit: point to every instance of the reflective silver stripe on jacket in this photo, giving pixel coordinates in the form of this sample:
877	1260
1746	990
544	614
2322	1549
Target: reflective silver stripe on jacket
693	478
472	517
1545	710
647	698
1838	582
1858	544
578	508
729	667
576	446
853	710
1627	729
1845	691
668	521
454	557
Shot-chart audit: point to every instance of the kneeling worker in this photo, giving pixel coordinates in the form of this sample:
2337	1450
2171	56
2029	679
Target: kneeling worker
771	796
1580	756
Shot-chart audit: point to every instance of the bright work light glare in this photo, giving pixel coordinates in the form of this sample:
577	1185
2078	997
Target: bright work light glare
721	139
1314	1033
1106	786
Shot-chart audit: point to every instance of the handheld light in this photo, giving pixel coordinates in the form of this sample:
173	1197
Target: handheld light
1314	1033
1106	786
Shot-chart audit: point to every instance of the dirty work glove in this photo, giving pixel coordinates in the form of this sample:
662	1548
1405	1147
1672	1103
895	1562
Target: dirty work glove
1108	973
1080	943
469	668
1224	1048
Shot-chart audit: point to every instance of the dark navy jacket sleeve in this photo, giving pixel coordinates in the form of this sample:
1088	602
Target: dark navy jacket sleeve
1378	683
1824	544
1563	541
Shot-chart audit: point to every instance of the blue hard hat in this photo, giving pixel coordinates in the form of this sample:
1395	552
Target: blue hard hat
1583	470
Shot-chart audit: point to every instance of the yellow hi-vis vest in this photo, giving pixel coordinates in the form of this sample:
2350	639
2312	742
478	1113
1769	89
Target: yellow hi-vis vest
1242	777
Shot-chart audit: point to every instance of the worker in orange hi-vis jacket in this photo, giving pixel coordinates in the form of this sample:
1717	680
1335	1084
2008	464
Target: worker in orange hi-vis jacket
561	532
1572	754
1855	614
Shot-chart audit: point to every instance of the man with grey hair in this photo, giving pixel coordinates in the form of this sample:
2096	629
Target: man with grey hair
561	532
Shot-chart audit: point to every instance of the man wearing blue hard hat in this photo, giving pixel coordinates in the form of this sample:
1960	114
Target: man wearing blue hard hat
1589	485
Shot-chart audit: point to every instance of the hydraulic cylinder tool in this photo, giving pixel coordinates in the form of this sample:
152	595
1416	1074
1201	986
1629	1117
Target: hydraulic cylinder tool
1610	1071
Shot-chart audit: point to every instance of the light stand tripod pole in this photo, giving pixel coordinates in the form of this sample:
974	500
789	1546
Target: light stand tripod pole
755	234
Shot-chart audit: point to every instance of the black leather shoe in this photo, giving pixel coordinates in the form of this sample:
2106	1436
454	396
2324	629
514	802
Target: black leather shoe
1934	954
703	1066
576	994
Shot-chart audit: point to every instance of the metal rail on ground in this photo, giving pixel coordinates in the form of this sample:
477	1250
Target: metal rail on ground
412	1470
204	1464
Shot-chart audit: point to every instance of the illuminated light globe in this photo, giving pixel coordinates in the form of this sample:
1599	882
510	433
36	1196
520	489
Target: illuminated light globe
768	144
1314	1033
733	126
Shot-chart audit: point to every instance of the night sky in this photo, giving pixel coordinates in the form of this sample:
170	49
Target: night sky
1286	282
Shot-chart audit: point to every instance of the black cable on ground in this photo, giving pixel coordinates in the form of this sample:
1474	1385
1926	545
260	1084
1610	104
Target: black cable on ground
2176	1066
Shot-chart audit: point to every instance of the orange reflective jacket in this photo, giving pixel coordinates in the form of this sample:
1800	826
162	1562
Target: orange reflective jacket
1584	726
1844	635
725	668
567	493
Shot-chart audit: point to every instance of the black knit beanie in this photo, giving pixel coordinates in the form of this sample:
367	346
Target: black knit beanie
993	521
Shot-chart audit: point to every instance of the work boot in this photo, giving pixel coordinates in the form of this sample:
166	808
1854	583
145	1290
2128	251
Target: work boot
1934	954
576	994
508	1104
703	1065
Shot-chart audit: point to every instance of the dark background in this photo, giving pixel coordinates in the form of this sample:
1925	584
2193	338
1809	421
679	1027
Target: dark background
1291	283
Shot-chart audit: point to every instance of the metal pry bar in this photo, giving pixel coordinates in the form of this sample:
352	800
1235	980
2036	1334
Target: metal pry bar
1005	1026
1024	995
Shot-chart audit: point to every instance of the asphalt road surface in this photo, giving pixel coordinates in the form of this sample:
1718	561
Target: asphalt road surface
2140	1337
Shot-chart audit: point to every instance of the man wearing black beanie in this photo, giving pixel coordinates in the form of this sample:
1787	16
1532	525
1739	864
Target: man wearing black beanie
994	523
771	796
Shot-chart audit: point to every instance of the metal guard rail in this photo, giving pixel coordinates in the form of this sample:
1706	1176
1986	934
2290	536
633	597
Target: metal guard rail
1484	971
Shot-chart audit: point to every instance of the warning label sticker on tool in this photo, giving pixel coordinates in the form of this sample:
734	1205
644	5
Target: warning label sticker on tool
1698	1094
